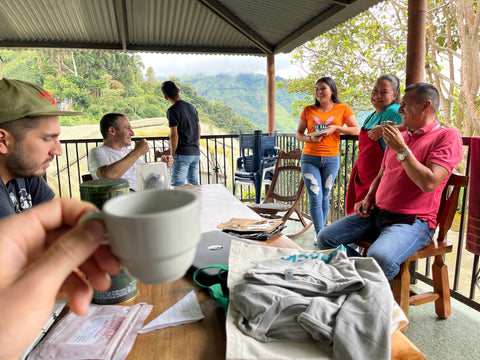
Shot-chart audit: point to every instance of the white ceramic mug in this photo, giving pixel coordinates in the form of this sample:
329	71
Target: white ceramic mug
154	233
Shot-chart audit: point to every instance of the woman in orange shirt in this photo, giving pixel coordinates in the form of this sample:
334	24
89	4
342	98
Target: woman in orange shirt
324	122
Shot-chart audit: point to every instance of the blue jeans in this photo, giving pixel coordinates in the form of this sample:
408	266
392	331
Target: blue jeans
391	243
185	167
319	170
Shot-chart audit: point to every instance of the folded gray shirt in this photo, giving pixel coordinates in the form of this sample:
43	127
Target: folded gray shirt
345	302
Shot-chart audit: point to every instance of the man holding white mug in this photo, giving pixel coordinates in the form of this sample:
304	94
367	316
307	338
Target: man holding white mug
113	159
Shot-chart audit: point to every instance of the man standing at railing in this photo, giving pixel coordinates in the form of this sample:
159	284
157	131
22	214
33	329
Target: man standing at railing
184	136
29	141
398	214
113	159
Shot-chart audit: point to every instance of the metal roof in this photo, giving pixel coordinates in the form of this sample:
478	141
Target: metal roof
254	27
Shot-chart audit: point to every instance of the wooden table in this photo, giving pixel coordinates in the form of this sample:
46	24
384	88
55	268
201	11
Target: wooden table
206	339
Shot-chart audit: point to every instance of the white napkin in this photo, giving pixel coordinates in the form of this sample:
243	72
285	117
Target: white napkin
185	311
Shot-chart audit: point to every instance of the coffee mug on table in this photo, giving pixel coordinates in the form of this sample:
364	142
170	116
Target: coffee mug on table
154	233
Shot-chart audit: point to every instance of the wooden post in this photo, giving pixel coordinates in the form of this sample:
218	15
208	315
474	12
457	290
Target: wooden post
271	93
416	41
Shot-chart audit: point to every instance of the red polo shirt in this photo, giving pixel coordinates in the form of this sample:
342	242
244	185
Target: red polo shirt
397	193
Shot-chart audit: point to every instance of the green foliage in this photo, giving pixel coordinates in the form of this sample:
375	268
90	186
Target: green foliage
354	54
69	86
101	82
24	65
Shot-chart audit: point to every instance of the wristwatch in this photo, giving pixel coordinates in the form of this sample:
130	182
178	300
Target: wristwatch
401	156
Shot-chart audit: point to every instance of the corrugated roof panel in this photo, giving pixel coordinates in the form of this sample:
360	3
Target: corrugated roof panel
288	24
48	20
324	23
265	16
100	18
209	26
178	23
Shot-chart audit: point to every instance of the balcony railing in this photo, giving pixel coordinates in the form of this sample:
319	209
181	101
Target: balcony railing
217	165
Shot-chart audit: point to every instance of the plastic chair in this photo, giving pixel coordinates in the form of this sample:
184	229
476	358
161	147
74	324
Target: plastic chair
255	166
285	192
438	247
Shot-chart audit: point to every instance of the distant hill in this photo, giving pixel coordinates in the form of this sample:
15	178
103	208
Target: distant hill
246	94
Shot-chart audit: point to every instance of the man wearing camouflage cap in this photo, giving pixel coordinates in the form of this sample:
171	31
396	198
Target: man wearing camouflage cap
29	141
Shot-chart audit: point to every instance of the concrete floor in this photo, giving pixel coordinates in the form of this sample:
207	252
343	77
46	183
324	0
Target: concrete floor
455	338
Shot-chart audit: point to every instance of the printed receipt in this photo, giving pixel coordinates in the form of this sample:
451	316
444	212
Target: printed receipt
185	311
105	332
93	328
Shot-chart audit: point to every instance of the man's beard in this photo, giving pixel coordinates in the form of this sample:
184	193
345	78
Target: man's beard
19	164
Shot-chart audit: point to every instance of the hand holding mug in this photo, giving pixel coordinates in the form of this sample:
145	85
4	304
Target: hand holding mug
393	137
154	233
142	147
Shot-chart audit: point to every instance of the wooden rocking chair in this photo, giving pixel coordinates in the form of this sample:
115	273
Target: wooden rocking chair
438	247
285	192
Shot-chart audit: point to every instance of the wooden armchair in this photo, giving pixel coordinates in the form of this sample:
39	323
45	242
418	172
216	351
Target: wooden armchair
438	247
87	177
159	154
285	191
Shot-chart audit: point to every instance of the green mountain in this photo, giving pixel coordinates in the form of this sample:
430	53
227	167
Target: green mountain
99	82
246	94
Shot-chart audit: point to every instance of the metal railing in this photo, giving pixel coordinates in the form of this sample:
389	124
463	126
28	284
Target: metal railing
218	153
463	280
217	165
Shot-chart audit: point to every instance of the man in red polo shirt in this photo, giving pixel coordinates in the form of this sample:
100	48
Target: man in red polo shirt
398	214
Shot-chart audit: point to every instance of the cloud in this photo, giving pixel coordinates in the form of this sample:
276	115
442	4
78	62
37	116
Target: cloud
166	65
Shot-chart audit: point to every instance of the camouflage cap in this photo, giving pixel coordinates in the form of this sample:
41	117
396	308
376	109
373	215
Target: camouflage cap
19	99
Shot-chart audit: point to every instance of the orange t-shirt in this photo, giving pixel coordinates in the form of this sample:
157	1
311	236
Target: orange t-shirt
317	120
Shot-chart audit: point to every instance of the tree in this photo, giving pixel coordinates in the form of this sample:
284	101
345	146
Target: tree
354	54
357	52
150	81
453	61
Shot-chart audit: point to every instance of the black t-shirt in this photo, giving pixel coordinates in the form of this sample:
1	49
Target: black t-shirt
184	116
21	194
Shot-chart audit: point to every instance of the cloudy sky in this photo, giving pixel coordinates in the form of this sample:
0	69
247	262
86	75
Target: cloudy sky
179	64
